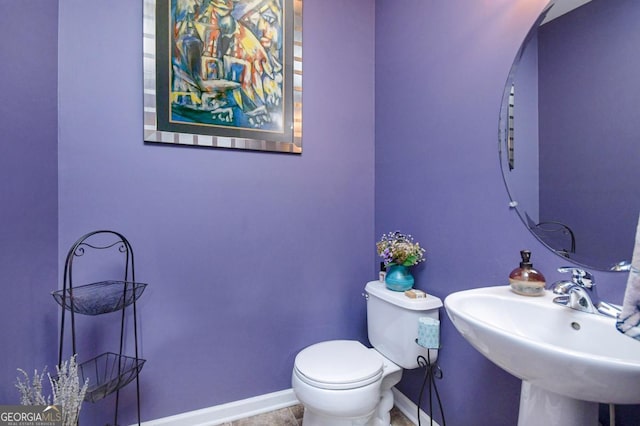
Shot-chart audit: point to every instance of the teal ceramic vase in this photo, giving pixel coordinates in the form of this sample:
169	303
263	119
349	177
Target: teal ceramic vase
399	278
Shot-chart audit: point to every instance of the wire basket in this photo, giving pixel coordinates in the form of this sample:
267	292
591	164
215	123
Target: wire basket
107	373
99	298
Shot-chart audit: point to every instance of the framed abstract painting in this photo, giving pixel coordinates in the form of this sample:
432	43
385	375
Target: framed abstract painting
223	73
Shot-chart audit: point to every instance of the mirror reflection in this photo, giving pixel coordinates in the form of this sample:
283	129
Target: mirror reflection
570	131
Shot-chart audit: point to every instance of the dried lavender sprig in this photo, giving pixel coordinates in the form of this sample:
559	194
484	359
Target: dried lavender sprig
67	391
31	393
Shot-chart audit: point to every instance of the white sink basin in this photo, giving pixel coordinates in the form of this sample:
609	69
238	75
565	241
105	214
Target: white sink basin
553	349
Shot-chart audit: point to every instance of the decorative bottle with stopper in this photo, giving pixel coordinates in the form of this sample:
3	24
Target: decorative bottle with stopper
526	280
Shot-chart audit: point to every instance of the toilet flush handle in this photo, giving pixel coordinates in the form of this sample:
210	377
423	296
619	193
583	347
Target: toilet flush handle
366	296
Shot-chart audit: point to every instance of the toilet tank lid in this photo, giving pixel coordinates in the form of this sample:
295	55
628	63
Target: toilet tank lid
398	298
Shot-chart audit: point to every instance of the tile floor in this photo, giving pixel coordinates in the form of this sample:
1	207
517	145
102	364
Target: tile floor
292	416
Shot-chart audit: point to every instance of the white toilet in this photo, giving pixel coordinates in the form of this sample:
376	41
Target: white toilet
344	383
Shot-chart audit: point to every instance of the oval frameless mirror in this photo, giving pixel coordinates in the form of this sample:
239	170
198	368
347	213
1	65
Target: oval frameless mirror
570	128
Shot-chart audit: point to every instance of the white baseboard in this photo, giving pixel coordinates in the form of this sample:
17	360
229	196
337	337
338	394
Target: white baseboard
235	410
410	409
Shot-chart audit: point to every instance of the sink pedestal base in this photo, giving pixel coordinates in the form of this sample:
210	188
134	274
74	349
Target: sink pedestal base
541	407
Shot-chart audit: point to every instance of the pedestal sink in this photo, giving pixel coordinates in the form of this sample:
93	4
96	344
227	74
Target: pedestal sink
568	361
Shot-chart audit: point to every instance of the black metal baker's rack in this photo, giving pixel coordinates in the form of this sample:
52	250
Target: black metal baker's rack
110	371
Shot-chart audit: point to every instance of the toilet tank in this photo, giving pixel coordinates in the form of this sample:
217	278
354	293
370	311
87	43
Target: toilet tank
392	323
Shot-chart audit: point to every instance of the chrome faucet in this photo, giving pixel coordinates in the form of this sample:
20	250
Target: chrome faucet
580	293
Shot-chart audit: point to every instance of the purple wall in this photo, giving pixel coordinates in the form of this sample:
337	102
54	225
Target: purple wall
252	256
249	256
28	189
440	74
589	113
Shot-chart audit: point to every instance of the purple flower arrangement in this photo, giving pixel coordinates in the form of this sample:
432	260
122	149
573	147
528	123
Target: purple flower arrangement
397	248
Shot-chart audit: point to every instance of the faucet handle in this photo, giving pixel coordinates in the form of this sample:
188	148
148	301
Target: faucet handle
579	276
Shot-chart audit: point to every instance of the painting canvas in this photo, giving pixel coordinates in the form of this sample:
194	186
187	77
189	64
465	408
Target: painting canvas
224	73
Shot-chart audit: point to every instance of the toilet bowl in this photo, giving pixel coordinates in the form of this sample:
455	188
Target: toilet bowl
343	382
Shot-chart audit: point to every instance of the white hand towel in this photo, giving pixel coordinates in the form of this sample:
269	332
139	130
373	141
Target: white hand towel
629	320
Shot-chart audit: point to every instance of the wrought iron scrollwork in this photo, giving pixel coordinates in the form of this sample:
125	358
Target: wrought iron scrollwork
101	297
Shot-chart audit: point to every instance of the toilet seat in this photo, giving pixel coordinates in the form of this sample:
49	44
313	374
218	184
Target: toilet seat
338	364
